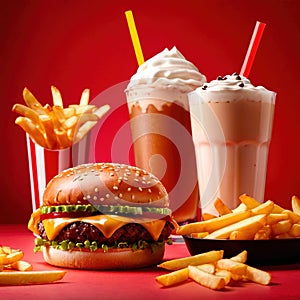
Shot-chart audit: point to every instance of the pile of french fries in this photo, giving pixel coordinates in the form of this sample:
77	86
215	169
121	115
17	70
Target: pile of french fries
251	220
211	270
15	271
57	127
11	259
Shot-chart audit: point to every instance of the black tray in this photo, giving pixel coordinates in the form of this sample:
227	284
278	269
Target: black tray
260	252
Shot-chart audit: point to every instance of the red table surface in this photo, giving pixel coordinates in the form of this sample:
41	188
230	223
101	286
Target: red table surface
136	284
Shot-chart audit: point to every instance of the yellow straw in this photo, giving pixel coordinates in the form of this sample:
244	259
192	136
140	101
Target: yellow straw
134	37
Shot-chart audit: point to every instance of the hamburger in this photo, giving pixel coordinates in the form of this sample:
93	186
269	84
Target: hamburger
103	216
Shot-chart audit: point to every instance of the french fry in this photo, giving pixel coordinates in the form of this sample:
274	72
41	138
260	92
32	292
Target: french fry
295	218
69	112
275	218
21	265
27	112
258	276
232	266
226	275
71	122
208	268
199	259
213	224
84	129
101	111
263	233
249	201
85	96
30	277
5	250
251	224
83	109
295	230
241	207
221	207
264	208
241	257
206	279
281	227
57	98
8	259
242	235
174	277
199	235
208	216
33	103
296	205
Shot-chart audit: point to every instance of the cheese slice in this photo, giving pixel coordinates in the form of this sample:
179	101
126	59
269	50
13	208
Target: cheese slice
107	224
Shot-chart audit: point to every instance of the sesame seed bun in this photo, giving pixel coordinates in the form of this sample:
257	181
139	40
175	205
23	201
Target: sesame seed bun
105	184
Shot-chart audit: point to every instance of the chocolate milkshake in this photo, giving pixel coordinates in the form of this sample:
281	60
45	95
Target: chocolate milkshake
232	126
161	127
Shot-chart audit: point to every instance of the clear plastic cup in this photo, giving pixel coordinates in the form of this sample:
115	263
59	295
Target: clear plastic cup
162	142
231	135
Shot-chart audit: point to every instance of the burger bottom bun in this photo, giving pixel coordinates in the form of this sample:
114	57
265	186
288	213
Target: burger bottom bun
124	259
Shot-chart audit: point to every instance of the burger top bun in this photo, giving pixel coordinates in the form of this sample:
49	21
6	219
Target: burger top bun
105	184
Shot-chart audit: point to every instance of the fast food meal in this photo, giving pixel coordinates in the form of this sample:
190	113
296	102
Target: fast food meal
103	216
57	127
214	272
14	271
251	220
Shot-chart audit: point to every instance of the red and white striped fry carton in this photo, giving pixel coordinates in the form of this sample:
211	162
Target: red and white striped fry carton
44	164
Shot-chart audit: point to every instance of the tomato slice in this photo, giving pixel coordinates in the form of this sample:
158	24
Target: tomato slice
74	214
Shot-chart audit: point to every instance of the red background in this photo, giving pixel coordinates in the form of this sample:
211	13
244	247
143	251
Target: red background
77	44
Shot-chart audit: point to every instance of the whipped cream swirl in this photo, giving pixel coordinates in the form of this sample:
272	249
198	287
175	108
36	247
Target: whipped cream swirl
234	87
168	68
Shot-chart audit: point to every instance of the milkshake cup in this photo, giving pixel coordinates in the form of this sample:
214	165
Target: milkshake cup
232	127
161	127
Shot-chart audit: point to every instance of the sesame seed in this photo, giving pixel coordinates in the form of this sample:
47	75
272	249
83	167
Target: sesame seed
129	189
140	189
120	195
101	199
150	191
95	197
115	187
88	197
107	196
111	174
132	197
96	190
136	179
